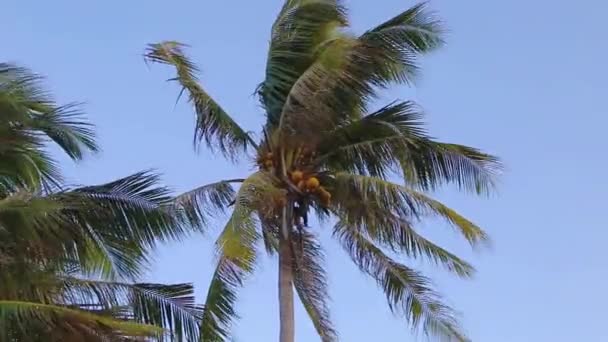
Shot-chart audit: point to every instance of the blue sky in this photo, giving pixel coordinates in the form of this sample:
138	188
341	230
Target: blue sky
525	80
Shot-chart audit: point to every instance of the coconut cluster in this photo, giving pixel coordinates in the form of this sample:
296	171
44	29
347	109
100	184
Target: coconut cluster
266	161
302	172
309	183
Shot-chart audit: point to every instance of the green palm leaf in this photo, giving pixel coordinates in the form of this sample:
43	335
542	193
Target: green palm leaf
431	164
310	282
237	254
204	202
398	42
213	125
31	109
300	28
371	144
403	202
16	316
26	166
109	228
29	119
347	71
66	127
398	234
408	293
170	307
139	216
393	138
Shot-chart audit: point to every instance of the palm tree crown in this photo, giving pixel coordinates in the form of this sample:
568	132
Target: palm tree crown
69	256
323	150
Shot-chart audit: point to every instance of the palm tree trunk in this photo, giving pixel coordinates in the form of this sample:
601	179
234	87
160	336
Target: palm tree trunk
286	311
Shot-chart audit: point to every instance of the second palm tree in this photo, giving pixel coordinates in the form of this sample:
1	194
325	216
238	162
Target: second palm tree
323	151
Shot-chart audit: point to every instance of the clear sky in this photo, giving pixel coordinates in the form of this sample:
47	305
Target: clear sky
522	79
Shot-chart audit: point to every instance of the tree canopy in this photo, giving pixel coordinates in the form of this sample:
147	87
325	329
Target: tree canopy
71	257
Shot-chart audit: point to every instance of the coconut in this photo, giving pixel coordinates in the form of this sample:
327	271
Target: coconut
312	183
297	176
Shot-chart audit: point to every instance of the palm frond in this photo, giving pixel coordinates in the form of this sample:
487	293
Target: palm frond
30	119
348	71
28	107
371	144
219	312
299	30
393	140
397	233
310	282
237	254
204	202
19	315
408	293
400	40
124	220
22	85
108	228
67	128
27	166
270	234
430	164
213	124
402	202
310	103
170	307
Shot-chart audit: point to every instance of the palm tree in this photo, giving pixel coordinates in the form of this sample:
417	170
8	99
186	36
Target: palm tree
323	150
70	256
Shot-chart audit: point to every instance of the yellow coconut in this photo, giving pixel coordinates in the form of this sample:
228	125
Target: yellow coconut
268	163
312	183
297	176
